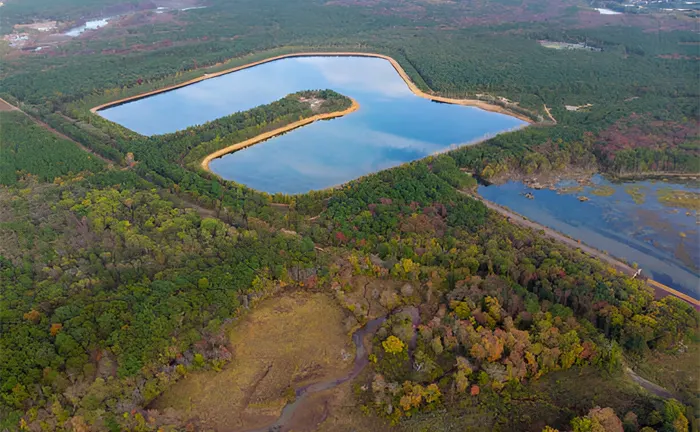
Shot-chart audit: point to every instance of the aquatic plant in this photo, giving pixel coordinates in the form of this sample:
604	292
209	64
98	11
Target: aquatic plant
603	191
679	198
638	193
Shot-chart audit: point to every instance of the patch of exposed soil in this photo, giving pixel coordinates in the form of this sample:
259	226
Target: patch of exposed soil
4	106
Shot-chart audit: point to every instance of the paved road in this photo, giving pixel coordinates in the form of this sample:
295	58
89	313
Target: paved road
660	289
648	385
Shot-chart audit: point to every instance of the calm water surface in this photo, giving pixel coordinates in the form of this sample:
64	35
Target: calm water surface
392	126
89	25
663	240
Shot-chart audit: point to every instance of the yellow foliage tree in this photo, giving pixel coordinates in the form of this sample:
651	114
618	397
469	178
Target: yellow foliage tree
393	345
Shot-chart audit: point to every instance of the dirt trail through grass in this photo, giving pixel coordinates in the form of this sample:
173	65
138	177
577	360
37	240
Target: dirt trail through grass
648	385
4	106
551	117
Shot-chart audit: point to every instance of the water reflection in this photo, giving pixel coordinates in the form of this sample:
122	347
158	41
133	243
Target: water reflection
631	223
89	25
393	125
380	79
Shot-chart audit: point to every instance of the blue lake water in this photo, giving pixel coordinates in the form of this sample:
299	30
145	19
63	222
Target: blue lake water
89	25
662	240
392	126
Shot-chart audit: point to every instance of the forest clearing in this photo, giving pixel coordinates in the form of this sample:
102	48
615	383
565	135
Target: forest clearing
300	337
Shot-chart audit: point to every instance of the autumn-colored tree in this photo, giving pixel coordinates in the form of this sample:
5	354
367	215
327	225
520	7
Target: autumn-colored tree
674	416
407	269
598	420
393	345
55	328
412	396
478	352
462	309
32	315
432	393
461	381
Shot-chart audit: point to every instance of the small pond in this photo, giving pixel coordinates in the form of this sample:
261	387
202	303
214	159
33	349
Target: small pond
392	126
634	221
89	25
604	11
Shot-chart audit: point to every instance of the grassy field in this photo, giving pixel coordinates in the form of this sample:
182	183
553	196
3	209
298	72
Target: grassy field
282	344
671	372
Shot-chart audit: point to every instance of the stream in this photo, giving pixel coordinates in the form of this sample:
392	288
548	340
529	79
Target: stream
302	393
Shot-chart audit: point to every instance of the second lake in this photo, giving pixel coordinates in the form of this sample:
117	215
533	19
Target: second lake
642	222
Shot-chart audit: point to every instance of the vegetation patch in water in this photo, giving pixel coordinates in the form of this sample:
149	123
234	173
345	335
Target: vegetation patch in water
571	189
603	191
679	198
638	193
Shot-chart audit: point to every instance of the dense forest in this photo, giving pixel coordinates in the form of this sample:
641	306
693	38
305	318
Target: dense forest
120	279
81	321
112	292
506	307
27	149
621	83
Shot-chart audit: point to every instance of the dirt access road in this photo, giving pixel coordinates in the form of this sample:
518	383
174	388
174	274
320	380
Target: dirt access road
659	289
4	106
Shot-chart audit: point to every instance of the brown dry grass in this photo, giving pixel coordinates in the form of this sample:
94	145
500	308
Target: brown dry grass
284	342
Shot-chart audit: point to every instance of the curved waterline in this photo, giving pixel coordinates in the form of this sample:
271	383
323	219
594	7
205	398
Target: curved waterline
399	69
267	135
391	127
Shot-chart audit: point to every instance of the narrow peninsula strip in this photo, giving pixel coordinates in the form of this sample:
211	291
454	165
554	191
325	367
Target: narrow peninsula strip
267	135
486	106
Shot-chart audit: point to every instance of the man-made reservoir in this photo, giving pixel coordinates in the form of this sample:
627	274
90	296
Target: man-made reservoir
652	223
604	11
89	25
392	126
